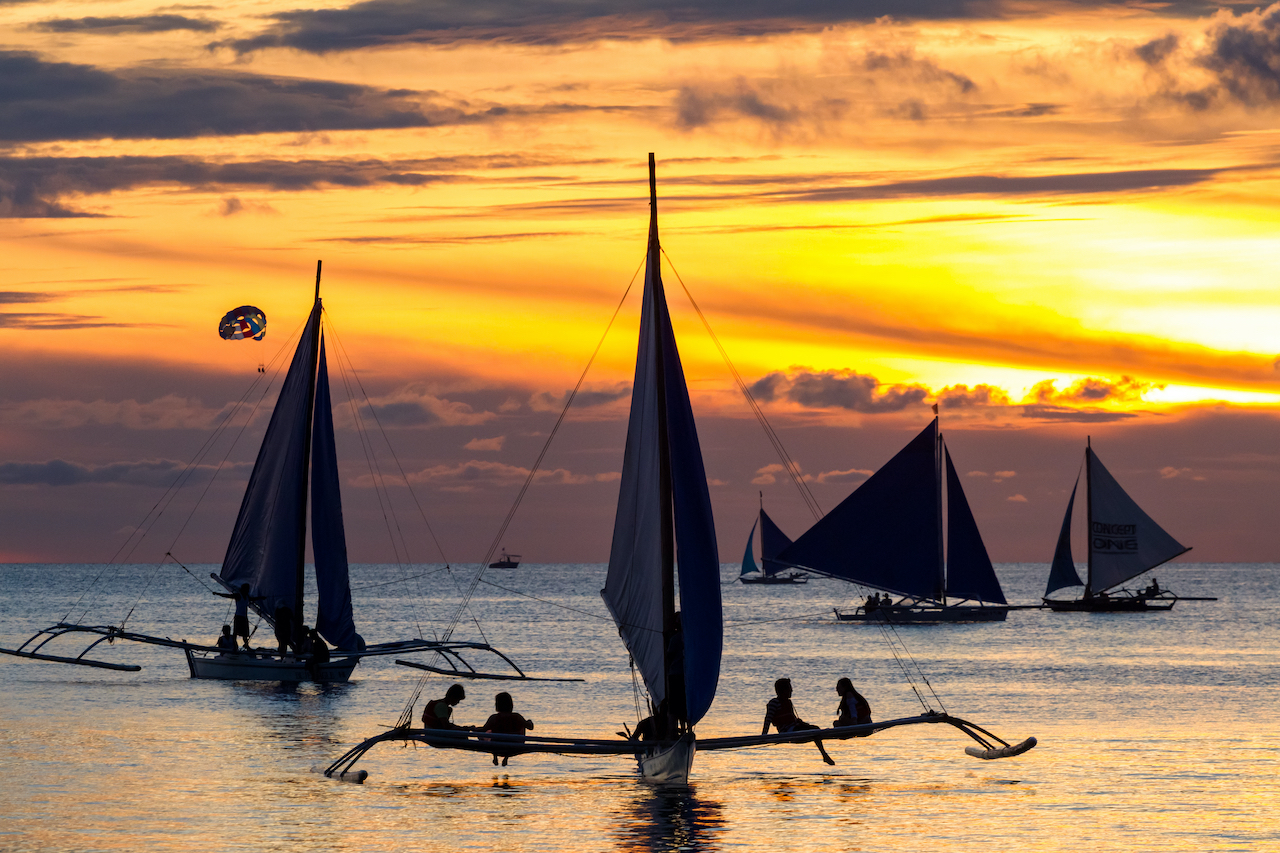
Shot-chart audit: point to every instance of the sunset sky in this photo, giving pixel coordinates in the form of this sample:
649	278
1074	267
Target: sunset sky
1056	220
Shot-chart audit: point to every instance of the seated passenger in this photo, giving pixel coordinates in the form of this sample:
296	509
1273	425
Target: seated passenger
438	712
854	709
506	722
226	642
782	714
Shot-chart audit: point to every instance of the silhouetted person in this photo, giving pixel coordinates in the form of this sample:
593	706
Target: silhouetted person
506	722
284	629
658	726
854	708
438	712
782	714
227	641
317	652
240	621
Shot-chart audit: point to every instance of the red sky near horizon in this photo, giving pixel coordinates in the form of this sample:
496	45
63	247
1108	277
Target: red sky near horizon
1056	220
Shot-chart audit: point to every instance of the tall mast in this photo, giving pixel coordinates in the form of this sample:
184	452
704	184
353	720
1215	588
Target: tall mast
666	500
1088	522
304	480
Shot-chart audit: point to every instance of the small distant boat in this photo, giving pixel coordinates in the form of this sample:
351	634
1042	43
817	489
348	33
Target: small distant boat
506	561
772	542
888	535
1124	542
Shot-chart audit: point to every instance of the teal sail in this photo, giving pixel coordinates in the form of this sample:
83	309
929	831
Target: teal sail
749	566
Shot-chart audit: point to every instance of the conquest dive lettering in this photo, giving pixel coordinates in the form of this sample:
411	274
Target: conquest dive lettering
1114	538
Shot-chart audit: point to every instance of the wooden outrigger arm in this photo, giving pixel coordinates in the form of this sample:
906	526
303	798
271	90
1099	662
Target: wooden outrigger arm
450	650
992	746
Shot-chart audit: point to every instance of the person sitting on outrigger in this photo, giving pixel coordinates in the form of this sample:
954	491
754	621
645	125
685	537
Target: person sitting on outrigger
854	708
438	712
782	714
506	722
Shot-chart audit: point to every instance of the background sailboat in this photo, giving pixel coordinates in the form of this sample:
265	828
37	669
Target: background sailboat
1123	542
267	551
772	542
888	535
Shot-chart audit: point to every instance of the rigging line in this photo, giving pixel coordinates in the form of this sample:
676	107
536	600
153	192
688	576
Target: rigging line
381	483
265	390
371	455
392	520
533	471
199	579
399	580
407	715
390	448
168	498
793	469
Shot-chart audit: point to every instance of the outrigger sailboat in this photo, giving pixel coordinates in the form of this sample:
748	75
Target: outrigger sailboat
772	542
663	526
268	548
1124	542
888	535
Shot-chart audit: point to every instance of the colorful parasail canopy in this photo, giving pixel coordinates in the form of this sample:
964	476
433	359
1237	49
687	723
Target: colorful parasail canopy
243	322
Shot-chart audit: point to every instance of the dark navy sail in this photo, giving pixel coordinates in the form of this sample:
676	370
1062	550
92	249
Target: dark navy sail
328	538
772	543
885	535
265	546
1062	573
969	570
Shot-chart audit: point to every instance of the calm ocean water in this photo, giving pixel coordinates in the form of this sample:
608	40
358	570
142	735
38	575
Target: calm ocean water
1156	731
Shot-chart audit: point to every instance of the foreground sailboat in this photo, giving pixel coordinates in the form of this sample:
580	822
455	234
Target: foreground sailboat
268	548
888	535
772	542
1124	542
663	528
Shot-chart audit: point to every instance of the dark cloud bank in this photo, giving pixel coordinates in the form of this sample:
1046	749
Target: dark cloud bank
43	101
376	23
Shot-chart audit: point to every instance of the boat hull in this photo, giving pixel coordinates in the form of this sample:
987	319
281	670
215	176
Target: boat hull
252	667
1112	605
504	564
924	614
775	579
669	765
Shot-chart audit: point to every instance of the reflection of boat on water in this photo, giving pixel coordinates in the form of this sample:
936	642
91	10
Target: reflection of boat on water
506	561
664	531
663	817
888	535
772	542
1123	542
266	553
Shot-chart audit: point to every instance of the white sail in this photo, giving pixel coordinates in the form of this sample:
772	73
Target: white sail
1123	540
633	586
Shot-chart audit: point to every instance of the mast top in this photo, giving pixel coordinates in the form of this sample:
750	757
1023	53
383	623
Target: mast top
653	185
318	263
